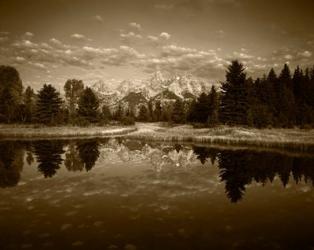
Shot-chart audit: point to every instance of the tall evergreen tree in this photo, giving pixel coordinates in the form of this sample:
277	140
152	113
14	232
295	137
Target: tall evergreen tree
158	111
178	113
286	102
88	105
213	118
48	105
234	96
143	115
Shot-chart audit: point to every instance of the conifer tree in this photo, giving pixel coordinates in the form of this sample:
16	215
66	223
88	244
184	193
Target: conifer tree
286	102
48	105
234	96
178	114
213	118
88	105
143	115
158	111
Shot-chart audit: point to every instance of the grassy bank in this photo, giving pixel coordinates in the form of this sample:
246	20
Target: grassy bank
36	132
294	139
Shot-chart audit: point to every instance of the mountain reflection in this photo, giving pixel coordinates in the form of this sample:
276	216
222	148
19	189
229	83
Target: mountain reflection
237	168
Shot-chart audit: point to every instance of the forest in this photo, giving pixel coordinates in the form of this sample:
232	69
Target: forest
281	101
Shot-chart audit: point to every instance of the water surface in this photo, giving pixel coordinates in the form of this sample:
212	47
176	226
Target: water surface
124	194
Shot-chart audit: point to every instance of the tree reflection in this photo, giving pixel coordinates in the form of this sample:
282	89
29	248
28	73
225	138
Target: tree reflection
88	153
73	161
48	155
11	163
241	168
203	153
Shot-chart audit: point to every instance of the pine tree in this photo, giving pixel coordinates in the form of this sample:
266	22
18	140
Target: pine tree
201	111
213	118
286	102
234	96
88	105
178	114
158	111
48	105
143	115
106	114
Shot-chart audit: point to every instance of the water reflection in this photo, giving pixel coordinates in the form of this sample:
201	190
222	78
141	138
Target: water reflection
48	155
237	168
11	163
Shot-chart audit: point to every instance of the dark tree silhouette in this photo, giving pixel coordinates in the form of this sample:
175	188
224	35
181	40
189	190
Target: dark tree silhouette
11	163
88	105
89	153
48	155
143	115
178	112
158	111
11	89
213	100
234	97
48	105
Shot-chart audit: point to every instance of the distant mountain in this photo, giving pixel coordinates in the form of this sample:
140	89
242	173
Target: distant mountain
157	86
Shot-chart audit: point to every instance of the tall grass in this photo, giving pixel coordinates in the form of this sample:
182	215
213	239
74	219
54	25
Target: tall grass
294	139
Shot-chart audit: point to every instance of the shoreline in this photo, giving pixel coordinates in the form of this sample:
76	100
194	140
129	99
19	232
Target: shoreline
291	139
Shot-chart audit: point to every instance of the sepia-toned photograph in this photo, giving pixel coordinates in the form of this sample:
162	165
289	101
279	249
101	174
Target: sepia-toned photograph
157	124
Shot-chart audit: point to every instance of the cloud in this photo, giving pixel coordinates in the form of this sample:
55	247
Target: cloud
55	41
164	6
29	34
78	36
305	54
130	36
165	35
179	60
98	18
135	26
4	39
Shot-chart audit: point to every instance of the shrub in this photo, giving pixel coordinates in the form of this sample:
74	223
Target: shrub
127	120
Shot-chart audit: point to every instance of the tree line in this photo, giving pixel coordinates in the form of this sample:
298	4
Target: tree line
283	100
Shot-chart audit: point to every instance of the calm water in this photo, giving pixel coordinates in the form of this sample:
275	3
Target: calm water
122	194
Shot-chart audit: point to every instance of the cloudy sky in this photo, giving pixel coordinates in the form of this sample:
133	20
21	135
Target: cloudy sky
52	40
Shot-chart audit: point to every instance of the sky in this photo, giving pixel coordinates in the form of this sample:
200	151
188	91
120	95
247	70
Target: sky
50	41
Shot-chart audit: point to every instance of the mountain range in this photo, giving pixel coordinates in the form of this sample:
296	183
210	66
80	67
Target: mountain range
157	86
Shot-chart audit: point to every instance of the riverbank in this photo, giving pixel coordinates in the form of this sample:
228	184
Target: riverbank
294	139
59	132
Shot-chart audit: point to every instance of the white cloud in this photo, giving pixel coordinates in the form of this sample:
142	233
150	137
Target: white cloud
29	34
288	57
98	18
306	54
130	35
55	41
78	36
135	25
165	35
164	6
